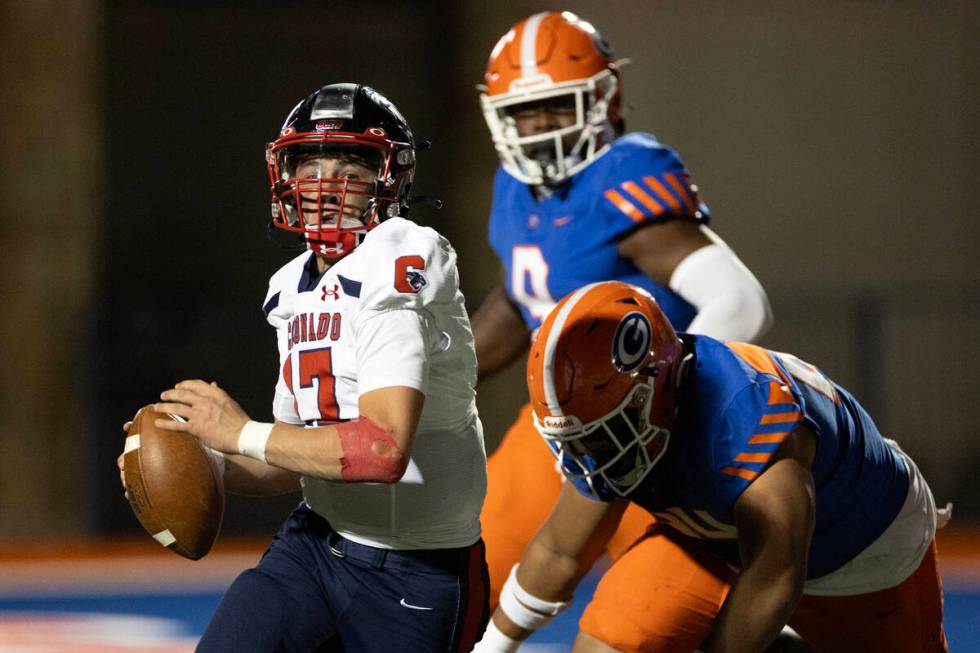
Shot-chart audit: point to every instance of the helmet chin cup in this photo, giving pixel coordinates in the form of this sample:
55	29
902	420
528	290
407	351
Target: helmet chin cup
333	249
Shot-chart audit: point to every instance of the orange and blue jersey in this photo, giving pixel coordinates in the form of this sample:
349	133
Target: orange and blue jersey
738	404
552	246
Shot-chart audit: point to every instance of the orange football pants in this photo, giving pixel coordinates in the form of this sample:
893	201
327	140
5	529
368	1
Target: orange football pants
663	595
523	486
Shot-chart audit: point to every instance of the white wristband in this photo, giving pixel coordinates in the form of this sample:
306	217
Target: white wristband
252	439
494	641
524	609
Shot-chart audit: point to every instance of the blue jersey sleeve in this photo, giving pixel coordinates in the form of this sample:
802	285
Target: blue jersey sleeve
497	226
756	422
646	182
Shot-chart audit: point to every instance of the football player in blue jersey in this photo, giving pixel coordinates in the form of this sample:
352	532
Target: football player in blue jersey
577	200
777	499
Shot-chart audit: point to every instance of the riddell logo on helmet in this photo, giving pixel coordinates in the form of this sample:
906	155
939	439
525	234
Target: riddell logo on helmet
560	423
530	82
325	125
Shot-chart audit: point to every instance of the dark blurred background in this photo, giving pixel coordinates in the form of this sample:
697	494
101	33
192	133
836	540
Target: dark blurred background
836	143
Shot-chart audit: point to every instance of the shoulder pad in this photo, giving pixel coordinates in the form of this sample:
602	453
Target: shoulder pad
647	180
283	283
404	265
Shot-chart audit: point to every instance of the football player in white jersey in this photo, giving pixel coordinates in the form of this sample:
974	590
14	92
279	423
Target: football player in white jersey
375	417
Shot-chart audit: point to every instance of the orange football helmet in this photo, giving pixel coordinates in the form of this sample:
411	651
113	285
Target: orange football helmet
602	375
547	56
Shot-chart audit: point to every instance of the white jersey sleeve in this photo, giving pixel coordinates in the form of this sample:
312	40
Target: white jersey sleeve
392	350
411	282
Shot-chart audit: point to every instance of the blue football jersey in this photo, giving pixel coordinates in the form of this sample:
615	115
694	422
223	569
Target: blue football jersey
555	245
738	404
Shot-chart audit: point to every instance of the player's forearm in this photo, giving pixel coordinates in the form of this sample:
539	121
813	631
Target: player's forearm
551	573
536	590
314	452
755	611
358	450
243	475
499	331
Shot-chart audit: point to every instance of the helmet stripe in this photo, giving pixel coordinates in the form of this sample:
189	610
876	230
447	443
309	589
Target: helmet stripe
529	45
551	344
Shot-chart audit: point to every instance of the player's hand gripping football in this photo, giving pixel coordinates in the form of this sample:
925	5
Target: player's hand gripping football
120	461
212	415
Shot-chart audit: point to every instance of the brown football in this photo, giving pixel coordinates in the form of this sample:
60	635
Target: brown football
174	486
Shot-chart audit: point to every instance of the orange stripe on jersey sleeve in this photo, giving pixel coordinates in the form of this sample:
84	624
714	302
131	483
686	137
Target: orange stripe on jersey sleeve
644	198
744	473
768	438
753	457
780	394
624	205
664	194
684	193
779	418
760	360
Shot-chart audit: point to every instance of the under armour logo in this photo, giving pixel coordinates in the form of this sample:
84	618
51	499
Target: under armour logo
335	293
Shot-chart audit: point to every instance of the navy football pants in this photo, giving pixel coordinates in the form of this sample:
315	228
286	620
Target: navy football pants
316	591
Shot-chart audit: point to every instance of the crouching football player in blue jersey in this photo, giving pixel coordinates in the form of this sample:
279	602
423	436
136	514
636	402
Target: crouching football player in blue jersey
777	500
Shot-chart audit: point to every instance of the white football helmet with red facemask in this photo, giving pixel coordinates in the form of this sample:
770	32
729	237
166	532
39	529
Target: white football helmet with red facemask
603	374
551	57
347	123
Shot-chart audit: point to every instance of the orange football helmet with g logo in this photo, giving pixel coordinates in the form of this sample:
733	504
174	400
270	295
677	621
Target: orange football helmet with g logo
547	57
602	375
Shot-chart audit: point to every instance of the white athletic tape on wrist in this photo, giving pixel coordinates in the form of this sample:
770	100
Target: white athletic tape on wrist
253	438
524	609
494	641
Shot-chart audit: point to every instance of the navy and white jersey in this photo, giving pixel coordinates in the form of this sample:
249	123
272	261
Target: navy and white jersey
388	314
738	404
553	246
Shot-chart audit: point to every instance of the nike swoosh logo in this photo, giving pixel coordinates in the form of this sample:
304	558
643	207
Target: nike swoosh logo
412	607
563	220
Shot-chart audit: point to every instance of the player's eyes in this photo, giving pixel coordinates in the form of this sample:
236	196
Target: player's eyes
524	114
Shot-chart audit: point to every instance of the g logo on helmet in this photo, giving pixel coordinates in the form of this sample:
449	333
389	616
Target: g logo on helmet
631	344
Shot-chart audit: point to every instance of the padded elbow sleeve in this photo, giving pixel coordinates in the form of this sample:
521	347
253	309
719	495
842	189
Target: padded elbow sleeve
370	454
730	301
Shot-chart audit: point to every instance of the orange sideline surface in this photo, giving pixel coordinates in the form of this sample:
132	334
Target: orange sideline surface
134	562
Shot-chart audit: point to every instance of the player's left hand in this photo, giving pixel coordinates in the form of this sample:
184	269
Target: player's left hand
212	415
